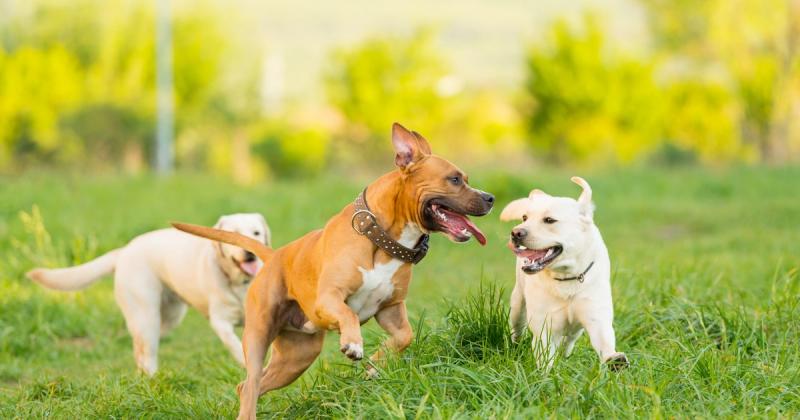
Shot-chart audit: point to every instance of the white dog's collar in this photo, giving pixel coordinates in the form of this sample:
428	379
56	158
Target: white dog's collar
580	277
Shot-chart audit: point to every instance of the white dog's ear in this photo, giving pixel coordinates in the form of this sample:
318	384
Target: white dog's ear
538	192
220	223
585	199
514	210
265	227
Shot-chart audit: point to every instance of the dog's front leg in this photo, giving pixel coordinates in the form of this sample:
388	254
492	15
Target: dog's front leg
598	322
226	333
517	315
394	320
335	314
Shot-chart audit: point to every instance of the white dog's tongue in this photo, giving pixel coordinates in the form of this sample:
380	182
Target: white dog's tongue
250	267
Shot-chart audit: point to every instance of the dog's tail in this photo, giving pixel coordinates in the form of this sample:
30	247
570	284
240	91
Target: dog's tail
78	277
262	251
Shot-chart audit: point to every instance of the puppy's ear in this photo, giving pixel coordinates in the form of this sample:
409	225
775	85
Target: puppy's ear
220	223
514	210
585	199
265	227
538	192
409	147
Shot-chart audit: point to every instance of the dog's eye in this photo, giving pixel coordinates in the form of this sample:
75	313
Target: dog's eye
549	220
455	180
524	218
256	233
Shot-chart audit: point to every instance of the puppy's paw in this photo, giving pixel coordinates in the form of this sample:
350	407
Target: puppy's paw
617	361
354	351
515	336
372	373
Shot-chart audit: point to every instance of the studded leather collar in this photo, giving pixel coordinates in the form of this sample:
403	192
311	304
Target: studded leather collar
365	223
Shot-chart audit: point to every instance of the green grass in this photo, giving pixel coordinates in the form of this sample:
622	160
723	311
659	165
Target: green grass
704	279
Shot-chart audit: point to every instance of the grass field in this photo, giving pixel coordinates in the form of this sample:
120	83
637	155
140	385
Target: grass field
704	278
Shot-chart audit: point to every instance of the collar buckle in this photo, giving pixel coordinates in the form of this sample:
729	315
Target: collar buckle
361	225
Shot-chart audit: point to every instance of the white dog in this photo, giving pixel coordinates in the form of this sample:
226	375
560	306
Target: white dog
158	273
563	276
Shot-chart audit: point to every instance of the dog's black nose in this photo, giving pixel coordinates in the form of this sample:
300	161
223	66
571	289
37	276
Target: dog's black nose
249	256
488	198
519	233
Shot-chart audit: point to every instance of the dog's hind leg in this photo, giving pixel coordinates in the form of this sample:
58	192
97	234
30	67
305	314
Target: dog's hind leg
292	353
393	320
173	309
569	343
260	329
138	294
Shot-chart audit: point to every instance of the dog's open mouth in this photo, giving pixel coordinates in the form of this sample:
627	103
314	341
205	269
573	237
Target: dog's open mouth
454	224
535	260
248	266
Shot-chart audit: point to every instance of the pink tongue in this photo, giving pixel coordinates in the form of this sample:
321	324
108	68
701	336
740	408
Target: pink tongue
250	267
475	231
458	222
532	254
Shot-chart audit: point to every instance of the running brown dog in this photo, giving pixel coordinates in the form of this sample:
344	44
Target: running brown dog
358	266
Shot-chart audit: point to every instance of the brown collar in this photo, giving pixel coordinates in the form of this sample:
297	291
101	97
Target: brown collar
365	223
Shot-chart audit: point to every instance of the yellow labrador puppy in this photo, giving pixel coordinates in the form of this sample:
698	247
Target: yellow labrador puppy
563	276
158	273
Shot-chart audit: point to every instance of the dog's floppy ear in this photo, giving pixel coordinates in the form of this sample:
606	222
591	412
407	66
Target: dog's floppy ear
265	226
585	199
514	210
220	223
409	147
538	192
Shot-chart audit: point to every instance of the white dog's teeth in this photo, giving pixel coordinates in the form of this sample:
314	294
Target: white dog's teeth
549	251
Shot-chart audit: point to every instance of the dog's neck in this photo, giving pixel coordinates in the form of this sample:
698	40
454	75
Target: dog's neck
581	261
395	209
229	269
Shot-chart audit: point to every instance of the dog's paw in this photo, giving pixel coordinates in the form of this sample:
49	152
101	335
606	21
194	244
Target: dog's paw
372	373
617	362
239	389
515	337
354	351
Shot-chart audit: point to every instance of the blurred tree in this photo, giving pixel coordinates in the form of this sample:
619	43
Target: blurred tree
701	120
291	151
36	87
587	103
756	44
110	134
77	79
385	80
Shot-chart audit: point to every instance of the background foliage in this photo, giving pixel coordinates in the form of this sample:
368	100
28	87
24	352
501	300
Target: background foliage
718	83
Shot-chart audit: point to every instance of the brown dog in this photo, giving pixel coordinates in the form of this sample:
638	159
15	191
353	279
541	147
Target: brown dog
338	278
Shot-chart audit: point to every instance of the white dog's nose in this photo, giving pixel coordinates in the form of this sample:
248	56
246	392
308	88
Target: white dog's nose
519	233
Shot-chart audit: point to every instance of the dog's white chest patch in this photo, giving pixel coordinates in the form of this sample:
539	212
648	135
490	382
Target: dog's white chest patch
377	283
